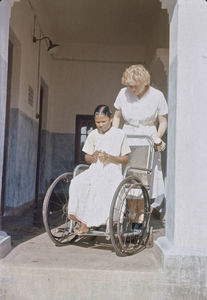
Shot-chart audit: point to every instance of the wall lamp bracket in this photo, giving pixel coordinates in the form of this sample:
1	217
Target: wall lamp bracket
52	47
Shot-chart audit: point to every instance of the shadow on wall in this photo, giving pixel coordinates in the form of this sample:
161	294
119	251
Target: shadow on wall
159	77
159	80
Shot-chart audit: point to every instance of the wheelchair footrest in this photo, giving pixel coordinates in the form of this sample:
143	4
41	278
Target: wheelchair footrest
93	233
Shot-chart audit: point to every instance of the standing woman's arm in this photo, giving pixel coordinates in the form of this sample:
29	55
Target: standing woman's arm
117	118
162	119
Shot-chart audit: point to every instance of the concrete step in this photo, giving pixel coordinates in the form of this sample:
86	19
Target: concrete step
5	244
37	269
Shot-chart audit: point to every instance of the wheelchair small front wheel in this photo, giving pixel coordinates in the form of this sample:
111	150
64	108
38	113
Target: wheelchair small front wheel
55	211
125	237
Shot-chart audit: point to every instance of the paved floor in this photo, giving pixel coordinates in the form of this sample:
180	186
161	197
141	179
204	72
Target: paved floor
34	261
87	270
26	227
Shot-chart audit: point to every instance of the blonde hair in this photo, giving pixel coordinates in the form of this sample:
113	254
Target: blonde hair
134	75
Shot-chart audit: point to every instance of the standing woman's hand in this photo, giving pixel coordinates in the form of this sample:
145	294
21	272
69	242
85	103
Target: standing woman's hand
159	145
163	146
162	119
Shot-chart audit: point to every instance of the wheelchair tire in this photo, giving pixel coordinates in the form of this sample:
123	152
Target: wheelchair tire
55	217
126	240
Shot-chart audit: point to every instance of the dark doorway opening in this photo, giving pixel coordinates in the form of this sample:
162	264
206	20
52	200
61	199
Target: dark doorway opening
39	147
84	125
42	116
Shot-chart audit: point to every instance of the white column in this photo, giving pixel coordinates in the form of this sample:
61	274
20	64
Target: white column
5	11
184	248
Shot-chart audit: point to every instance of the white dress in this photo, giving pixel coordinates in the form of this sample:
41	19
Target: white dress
140	116
91	192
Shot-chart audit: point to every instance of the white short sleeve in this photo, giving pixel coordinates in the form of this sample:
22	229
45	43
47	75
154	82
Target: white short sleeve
89	146
125	149
162	107
117	103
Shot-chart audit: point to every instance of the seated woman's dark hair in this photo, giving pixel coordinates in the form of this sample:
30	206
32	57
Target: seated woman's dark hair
102	109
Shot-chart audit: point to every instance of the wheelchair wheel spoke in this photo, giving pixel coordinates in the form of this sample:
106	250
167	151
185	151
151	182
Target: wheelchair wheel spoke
125	239
54	213
60	198
55	203
65	193
55	216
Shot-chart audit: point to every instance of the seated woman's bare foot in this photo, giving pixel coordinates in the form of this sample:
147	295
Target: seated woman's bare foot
83	229
72	217
76	230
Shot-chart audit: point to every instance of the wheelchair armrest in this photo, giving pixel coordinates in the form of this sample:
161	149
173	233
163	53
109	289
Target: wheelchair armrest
80	168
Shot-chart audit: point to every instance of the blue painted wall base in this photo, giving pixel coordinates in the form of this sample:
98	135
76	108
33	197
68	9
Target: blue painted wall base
57	156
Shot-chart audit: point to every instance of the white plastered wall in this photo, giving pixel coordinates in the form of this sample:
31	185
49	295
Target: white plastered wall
25	60
81	76
92	78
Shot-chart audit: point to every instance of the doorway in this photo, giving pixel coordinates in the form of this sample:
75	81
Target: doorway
42	116
84	125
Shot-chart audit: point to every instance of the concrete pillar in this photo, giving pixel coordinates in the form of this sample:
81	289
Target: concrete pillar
5	10
183	250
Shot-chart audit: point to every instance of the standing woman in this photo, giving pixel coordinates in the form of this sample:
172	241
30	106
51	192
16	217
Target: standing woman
144	110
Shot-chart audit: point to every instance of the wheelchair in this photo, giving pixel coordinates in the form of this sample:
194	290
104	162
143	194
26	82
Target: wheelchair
135	185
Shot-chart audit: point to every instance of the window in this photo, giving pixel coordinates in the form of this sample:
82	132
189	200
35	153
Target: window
84	125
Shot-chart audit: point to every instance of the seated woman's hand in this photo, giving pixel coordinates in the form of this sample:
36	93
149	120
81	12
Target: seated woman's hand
103	157
95	156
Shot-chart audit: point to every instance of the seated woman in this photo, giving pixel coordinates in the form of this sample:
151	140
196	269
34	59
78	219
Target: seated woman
91	192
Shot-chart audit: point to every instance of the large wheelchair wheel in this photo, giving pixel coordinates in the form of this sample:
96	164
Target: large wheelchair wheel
125	239
55	211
